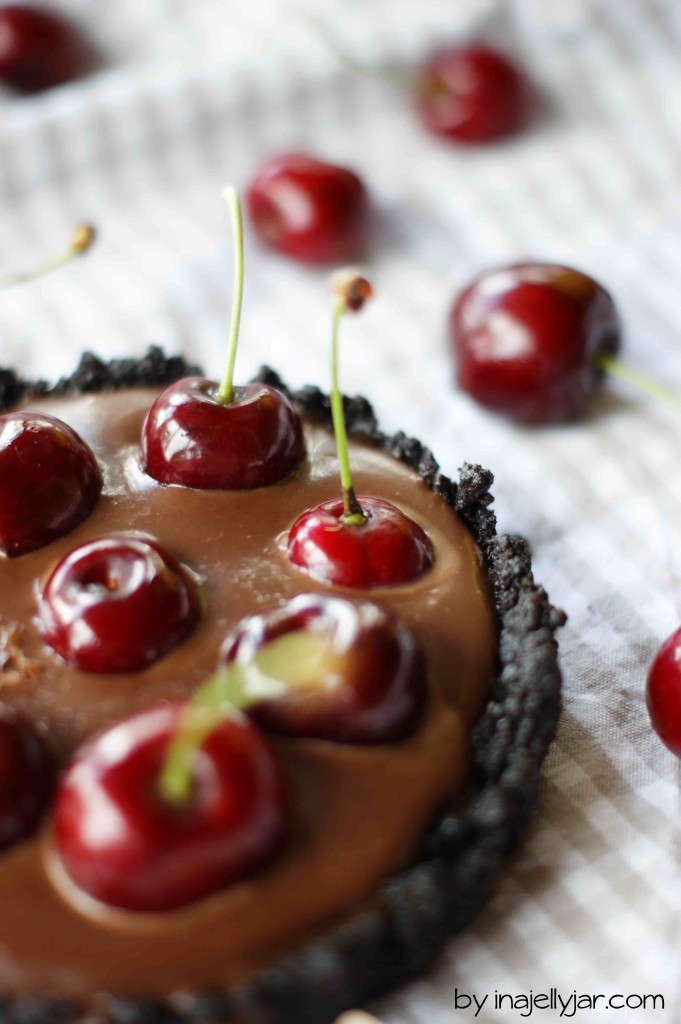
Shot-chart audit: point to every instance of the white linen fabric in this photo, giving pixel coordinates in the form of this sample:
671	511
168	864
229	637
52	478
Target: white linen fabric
193	96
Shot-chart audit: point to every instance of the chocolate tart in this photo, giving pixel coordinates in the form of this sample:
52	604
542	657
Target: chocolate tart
394	932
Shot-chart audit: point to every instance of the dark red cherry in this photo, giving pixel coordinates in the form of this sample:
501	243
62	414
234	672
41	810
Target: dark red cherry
27	775
354	675
117	604
527	340
388	548
189	437
122	842
310	210
38	48
49	480
663	693
471	94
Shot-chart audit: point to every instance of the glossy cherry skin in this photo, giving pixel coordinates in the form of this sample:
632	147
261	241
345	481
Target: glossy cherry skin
367	686
309	210
191	438
471	94
390	548
27	776
117	604
123	843
49	481
526	340
663	693
38	48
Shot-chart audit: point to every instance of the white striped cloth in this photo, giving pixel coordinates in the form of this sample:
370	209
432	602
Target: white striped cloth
193	97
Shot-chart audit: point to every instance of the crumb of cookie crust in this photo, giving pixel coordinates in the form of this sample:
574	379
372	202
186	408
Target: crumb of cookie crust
357	1017
15	665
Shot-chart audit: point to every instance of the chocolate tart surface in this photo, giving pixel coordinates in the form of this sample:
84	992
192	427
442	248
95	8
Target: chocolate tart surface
394	934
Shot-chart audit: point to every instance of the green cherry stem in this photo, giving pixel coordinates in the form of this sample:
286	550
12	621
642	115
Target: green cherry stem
82	239
398	77
352	292
225	392
222	694
289	660
615	367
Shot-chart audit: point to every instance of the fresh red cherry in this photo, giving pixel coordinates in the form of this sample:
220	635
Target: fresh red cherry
38	48
388	548
471	94
530	340
117	604
356	542
49	480
122	841
663	693
192	438
312	211
27	775
348	671
217	437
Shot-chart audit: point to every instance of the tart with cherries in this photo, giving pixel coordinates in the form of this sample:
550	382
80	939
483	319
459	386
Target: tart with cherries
262	748
338	829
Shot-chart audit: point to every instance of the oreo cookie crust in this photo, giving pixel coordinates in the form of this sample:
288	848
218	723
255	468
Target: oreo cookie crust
405	924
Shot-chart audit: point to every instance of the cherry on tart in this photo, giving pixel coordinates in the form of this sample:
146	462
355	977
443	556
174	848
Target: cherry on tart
532	340
213	436
328	668
192	437
471	94
27	776
663	693
386	549
129	840
357	542
49	477
49	481
117	604
309	210
38	48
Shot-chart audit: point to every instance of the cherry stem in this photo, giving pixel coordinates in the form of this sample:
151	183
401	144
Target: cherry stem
352	293
614	366
205	711
225	393
82	239
398	77
232	689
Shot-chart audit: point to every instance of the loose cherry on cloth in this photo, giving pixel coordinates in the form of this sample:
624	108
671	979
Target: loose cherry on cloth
117	604
206	435
120	839
39	48
309	210
27	777
531	340
663	693
328	668
49	480
356	542
471	94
